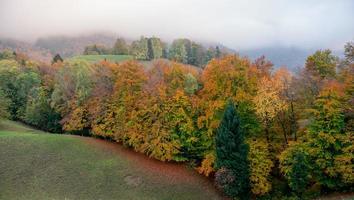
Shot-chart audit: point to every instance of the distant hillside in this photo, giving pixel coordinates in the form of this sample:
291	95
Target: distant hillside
70	46
33	52
292	58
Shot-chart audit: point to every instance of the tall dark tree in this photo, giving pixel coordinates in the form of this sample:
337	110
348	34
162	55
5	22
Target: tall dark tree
57	58
150	49
231	155
217	52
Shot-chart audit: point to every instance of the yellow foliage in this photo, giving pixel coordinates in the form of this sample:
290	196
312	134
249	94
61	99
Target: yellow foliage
260	167
207	166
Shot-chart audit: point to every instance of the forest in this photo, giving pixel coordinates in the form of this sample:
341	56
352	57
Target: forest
256	130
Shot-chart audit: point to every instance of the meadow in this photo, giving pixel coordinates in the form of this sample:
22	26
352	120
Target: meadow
98	58
38	165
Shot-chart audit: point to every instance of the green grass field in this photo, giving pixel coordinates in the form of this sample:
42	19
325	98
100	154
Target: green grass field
97	58
39	165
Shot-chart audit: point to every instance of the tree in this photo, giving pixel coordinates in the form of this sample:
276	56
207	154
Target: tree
157	47
197	55
140	49
150	50
264	67
223	79
217	52
7	54
57	58
73	87
287	118
231	154
268	103
261	166
178	51
39	113
17	81
120	47
322	64
349	52
296	166
4	106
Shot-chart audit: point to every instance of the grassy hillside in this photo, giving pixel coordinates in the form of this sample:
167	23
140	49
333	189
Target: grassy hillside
97	58
37	165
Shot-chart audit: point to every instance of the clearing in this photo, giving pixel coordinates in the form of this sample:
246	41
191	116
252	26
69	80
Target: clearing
98	58
38	165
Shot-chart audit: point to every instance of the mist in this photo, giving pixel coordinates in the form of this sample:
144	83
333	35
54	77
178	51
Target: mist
234	23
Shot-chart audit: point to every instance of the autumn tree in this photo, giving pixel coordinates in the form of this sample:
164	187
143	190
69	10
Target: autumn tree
327	140
224	79
73	86
287	118
231	155
261	165
268	103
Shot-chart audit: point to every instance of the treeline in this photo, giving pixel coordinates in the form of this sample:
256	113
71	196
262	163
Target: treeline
181	50
262	133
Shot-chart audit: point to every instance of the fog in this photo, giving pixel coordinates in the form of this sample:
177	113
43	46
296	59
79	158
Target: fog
234	23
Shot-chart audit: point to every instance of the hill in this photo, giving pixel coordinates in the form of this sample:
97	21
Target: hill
37	165
69	46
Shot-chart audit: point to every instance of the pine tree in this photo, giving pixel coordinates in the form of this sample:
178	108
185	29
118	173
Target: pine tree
150	50
218	52
231	155
57	58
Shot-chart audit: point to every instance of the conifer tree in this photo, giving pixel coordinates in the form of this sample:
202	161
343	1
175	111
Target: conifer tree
231	155
150	50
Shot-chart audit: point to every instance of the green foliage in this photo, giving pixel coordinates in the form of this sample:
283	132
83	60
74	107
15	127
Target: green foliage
178	51
96	49
4	106
39	113
99	58
232	152
72	82
156	48
296	166
349	52
7	54
322	63
190	84
17	82
120	47
73	85
140	49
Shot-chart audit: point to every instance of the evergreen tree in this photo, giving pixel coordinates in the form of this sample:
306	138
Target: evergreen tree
150	50
57	58
217	52
231	155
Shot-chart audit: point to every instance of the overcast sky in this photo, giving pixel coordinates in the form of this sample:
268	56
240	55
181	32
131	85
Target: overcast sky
234	23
